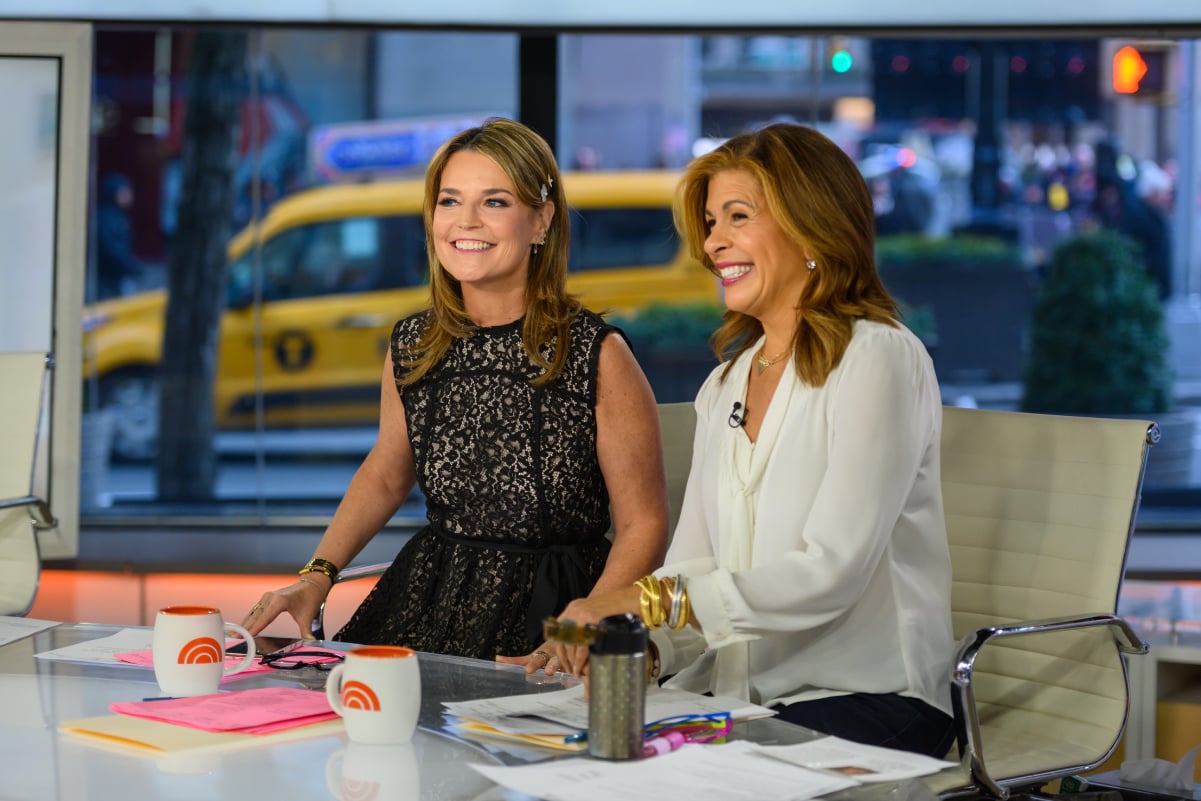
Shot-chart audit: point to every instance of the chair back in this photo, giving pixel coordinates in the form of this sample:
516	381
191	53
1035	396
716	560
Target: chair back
22	375
677	426
1039	511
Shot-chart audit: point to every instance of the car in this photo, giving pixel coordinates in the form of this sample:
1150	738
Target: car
339	264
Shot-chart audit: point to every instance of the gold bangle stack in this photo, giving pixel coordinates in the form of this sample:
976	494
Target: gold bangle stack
321	566
655	612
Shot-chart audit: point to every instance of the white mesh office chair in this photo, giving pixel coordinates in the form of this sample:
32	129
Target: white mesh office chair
677	421
22	376
1039	511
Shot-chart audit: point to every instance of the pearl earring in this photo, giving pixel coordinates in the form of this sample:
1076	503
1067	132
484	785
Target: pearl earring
811	264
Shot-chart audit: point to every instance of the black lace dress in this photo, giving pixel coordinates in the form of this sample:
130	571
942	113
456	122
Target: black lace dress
516	502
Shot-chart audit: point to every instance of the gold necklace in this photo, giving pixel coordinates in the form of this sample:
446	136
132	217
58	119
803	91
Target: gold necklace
765	363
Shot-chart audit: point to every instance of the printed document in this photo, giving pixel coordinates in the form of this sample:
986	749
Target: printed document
732	772
18	628
863	763
570	708
103	651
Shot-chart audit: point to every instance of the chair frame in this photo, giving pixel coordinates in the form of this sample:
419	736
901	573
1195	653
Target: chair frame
967	718
40	515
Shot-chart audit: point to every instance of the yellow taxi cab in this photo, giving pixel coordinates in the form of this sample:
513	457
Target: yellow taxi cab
339	265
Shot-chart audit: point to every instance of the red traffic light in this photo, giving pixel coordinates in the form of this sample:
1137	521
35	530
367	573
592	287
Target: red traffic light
1129	68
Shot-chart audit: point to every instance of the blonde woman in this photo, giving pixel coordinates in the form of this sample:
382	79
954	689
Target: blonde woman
524	419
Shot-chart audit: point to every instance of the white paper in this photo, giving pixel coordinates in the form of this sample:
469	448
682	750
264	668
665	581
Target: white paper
516	724
570	707
104	651
18	628
732	772
863	763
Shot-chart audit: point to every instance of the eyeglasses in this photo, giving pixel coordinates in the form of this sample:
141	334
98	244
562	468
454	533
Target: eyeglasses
295	660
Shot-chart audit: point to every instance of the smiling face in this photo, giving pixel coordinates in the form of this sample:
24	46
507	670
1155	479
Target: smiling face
482	232
762	270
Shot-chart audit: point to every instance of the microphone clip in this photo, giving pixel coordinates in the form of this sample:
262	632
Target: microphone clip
736	420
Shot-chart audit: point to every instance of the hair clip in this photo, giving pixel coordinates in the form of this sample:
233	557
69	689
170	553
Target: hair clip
544	193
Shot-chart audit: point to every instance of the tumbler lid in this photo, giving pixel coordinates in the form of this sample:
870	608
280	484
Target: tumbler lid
620	634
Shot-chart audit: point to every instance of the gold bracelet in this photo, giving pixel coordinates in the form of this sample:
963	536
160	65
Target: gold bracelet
653	666
651	602
304	580
321	566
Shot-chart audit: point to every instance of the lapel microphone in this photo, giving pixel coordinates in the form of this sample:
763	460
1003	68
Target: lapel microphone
736	420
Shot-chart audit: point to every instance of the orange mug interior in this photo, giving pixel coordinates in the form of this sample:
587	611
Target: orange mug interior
188	610
382	652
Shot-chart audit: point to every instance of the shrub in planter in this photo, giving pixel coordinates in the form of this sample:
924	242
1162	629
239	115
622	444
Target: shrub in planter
961	251
668	327
1097	339
671	342
978	290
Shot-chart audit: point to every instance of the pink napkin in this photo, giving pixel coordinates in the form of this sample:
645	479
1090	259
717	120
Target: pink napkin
146	659
258	711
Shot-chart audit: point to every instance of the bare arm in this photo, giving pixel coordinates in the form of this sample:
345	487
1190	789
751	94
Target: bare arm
630	451
378	488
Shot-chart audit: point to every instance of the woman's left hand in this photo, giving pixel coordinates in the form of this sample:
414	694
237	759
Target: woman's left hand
551	658
595	608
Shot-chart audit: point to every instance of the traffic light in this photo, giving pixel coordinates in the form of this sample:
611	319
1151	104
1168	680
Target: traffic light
841	60
1138	71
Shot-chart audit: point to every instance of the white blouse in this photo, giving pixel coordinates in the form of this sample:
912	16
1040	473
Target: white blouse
817	557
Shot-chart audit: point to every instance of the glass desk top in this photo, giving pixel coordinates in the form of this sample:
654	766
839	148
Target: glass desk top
40	764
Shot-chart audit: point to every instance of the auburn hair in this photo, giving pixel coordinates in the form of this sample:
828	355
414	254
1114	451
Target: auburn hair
816	194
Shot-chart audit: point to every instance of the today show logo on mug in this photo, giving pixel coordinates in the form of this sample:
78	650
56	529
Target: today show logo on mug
189	650
377	691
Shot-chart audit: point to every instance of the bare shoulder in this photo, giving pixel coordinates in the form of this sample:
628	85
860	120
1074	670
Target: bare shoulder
619	374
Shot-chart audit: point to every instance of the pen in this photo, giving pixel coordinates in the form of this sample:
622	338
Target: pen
160	698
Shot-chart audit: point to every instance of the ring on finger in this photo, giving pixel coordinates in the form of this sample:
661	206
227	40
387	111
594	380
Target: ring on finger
545	657
256	608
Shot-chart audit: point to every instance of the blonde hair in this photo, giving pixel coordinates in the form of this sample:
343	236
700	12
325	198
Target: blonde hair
816	194
528	162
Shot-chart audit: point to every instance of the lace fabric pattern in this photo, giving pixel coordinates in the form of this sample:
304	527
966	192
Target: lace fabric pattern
515	498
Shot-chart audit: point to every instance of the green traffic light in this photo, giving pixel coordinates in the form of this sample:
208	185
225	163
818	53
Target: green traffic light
841	61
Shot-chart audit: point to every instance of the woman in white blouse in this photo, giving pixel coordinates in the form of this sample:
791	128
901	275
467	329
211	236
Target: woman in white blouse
811	545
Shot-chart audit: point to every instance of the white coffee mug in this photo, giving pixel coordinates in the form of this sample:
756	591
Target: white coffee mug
377	691
189	650
361	771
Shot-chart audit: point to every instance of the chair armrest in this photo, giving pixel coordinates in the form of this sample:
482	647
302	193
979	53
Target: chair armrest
352	573
349	574
39	510
963	694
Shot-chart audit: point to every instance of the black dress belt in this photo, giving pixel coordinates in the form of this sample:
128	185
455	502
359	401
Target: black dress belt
560	577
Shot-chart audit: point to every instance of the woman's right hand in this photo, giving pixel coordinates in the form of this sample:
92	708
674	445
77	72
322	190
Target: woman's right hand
301	600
